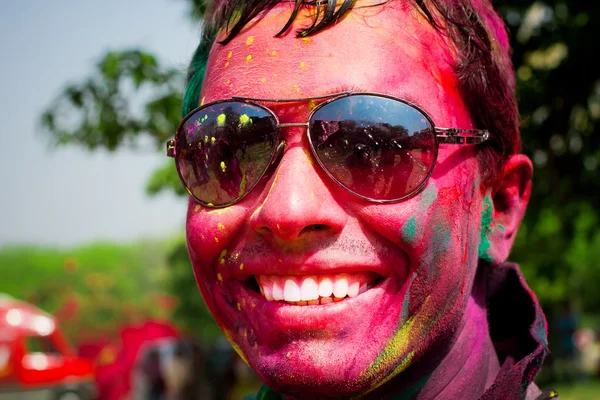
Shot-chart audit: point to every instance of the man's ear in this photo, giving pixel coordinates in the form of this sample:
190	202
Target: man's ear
509	198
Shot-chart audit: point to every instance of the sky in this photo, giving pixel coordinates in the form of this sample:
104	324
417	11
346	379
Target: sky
69	196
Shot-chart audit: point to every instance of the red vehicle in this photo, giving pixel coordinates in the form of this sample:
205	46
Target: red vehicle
35	360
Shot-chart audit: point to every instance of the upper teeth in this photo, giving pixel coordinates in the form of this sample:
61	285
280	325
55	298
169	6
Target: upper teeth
313	289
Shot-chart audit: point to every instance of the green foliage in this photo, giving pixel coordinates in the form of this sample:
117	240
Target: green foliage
104	111
582	390
559	99
93	289
191	315
197	8
165	178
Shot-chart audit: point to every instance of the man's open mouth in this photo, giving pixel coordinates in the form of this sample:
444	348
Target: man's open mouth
315	289
280	305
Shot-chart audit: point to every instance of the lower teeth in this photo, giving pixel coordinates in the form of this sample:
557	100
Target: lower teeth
320	300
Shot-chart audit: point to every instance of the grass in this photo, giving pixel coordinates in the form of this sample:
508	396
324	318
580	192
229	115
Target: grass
586	390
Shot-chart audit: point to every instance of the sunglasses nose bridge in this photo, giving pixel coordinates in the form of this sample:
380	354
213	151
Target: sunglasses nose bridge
293	125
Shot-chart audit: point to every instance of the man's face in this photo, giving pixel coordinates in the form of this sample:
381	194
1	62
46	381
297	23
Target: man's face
415	260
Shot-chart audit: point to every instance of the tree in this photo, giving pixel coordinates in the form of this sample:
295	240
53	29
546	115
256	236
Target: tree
554	46
559	100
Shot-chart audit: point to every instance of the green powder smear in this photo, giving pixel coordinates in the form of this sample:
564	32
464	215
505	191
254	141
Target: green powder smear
486	220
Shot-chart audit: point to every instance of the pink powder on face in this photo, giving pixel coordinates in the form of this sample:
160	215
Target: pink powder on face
360	344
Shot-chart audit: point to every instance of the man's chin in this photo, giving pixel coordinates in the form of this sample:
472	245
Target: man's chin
319	368
336	349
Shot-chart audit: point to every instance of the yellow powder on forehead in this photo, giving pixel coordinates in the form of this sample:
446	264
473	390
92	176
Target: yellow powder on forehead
249	40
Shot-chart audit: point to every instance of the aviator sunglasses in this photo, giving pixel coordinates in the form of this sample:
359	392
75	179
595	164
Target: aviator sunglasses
378	147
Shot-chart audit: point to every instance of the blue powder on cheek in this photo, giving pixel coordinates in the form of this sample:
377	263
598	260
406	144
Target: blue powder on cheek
440	244
428	197
409	230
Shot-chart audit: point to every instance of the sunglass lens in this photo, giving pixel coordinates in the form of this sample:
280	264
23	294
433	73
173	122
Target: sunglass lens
377	147
223	150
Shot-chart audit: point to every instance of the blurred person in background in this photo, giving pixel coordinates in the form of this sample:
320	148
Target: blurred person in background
185	372
151	368
588	347
566	352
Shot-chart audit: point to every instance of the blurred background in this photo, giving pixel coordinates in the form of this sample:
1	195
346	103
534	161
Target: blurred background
92	212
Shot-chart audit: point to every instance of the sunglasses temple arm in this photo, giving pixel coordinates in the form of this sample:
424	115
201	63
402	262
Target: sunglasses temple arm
461	136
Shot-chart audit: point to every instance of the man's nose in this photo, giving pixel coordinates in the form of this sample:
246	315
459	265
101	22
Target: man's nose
298	204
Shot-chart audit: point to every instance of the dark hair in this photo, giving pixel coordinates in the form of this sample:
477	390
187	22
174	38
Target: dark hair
483	67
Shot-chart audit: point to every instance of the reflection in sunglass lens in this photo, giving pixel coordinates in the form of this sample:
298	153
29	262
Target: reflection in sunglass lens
377	147
223	149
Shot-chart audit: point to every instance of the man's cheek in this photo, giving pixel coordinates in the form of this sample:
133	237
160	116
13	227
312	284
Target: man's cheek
209	231
443	241
433	302
413	232
436	238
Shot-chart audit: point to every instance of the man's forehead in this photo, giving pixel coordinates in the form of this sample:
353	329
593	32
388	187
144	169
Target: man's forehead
352	52
375	54
376	16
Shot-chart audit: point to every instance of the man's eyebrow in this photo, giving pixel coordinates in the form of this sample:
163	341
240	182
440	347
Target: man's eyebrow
330	93
361	89
289	100
347	88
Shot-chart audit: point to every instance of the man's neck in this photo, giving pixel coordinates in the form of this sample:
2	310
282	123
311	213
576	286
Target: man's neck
471	365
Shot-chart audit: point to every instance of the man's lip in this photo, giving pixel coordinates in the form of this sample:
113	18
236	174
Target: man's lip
293	318
241	270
